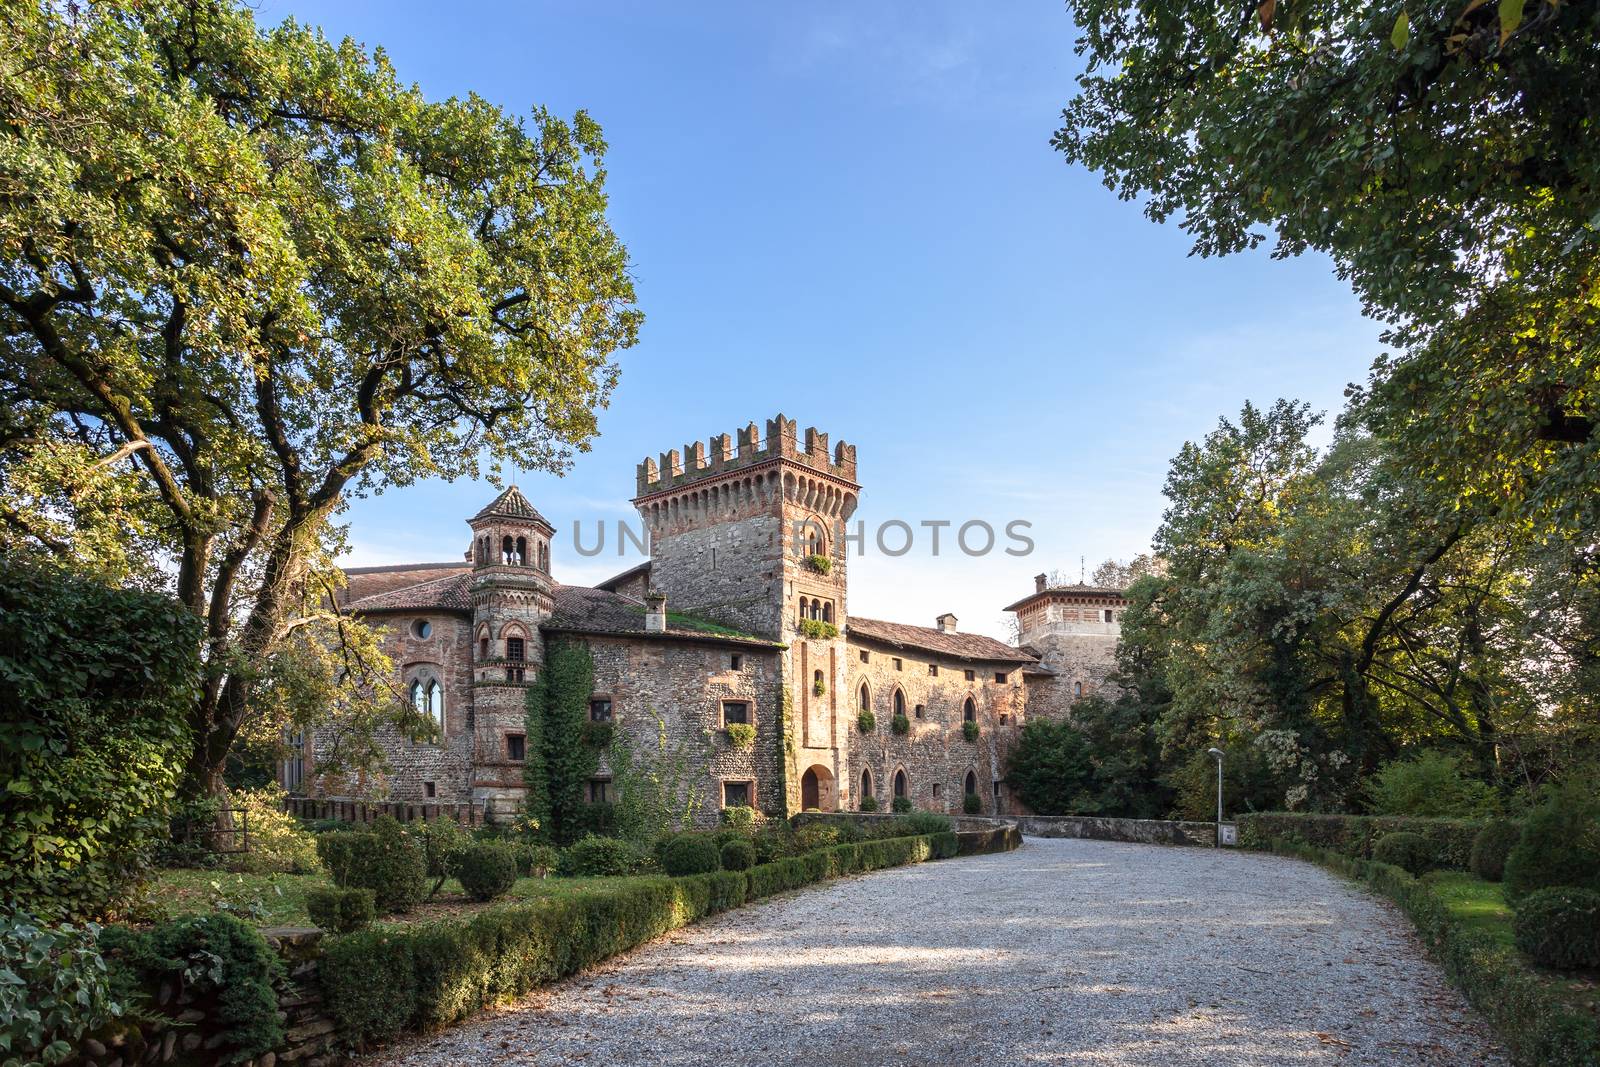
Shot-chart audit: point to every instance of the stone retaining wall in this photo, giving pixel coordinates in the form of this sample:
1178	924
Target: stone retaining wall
1144	831
959	823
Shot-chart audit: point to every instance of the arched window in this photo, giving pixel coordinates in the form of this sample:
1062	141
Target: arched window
866	783
864	697
969	711
522	551
508	548
818	686
544	557
418	697
483	648
1077	689
971	784
827	612
436	703
816	609
899	702
899	783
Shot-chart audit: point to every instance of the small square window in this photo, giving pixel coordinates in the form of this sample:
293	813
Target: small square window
736	794
735	711
1004	718
933	670
1108	615
897	664
997	790
935	788
516	747
428	789
971	675
735	661
865	656
599	790
1000	676
599	709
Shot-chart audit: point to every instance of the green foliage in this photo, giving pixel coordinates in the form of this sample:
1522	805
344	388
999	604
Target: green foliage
818	628
819	563
774	842
868	804
1409	852
535	771
222	960
1535	1017
819	687
1560	927
901	805
738	855
900	724
442	841
601	856
866	722
388	860
740	817
99	683
1560	843
923	823
741	734
972	804
487	869
969	730
277	842
1450	841
271	240
662	790
690	853
1049	767
54	988
369	980
562	693
1491	847
340	911
1433	785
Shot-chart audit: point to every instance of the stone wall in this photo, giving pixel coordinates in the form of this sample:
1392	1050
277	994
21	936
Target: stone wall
722	567
678	687
1082	665
935	751
1144	831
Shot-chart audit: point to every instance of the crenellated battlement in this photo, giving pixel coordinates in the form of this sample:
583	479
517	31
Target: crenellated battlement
699	460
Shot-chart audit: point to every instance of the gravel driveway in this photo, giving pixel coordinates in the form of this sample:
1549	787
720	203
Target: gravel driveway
1074	952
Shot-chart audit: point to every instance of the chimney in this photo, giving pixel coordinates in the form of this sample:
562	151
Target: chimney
947	623
655	613
1040	581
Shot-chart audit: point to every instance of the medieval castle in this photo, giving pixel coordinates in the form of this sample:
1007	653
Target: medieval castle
740	616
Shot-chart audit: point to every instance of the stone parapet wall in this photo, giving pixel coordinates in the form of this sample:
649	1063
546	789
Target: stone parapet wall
1143	831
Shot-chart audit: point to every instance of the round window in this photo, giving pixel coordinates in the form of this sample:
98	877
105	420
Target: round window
422	628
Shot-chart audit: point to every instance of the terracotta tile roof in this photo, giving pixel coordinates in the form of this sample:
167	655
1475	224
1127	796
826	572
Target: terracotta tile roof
1071	590
369	581
511	504
953	646
611	583
580	609
450	593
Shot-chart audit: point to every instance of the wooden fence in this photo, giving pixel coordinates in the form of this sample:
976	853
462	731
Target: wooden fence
347	810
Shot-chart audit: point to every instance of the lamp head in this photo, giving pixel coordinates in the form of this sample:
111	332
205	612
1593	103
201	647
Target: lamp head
1215	753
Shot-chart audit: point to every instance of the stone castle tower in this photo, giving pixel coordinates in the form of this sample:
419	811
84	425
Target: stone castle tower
511	597
751	535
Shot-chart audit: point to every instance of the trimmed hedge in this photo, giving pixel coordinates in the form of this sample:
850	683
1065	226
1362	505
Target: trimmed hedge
1410	852
381	982
487	870
690	853
340	911
1491	847
1560	927
1356	835
1528	1015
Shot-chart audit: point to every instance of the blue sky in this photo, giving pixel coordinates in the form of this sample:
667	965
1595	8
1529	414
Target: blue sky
850	213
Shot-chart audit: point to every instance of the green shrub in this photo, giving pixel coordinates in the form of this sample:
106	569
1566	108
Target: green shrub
868	804
740	817
969	730
99	684
738	855
1355	835
601	856
337	850
900	724
388	861
1409	852
1560	844
741	734
442	842
277	841
54	988
690	853
819	563
536	861
972	804
1433	785
597	734
340	911
1491	847
818	628
901	805
369	981
774	842
926	822
1560	927
225	963
487	869
866	722
815	835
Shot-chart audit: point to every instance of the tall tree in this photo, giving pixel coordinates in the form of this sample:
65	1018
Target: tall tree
1441	151
247	273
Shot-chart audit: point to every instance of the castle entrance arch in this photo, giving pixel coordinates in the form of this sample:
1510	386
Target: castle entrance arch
817	789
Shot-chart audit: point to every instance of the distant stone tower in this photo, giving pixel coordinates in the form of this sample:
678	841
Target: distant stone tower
511	596
752	536
1074	629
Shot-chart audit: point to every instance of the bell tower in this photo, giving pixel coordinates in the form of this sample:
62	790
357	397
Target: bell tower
511	597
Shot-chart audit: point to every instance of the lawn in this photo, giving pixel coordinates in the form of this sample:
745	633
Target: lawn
280	899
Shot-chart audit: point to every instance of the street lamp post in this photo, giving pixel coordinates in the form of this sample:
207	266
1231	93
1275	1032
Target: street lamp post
1216	754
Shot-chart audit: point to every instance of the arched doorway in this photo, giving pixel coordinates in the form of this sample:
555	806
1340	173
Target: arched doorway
901	787
970	788
816	789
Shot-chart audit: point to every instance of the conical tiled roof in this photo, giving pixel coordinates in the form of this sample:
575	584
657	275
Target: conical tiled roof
511	504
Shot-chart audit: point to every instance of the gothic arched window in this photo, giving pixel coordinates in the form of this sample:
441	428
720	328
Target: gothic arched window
969	711
522	551
865	697
972	784
900	783
508	549
899	702
866	783
436	704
